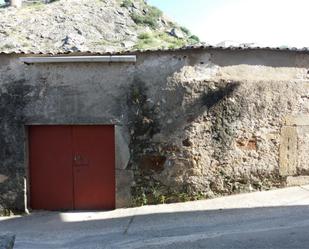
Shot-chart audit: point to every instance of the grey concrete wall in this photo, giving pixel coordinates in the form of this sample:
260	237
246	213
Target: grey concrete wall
191	124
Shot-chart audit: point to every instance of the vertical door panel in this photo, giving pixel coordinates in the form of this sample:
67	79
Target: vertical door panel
51	176
94	167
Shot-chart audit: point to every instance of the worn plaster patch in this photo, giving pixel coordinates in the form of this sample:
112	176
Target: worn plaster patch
197	73
122	149
124	182
259	72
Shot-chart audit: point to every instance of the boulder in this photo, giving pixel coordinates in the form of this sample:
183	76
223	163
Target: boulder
177	33
16	3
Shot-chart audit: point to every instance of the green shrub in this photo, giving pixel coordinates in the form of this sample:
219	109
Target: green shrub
145	41
194	38
126	4
185	30
158	40
154	12
150	18
144	20
172	42
144	36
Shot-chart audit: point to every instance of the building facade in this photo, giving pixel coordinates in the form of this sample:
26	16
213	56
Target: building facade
186	124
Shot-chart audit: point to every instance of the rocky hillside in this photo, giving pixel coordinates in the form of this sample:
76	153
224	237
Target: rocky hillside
89	25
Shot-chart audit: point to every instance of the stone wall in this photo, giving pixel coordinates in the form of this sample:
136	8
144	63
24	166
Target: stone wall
189	124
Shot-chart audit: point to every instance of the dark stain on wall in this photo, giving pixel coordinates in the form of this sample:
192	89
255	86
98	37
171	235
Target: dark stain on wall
13	99
224	113
149	158
145	155
142	122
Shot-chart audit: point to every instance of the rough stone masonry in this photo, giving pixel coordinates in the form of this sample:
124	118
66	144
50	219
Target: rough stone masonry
190	124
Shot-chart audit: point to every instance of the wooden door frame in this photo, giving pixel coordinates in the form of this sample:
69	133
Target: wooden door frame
27	180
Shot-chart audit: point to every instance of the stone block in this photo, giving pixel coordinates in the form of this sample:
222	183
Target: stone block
297	120
297	180
288	151
3	178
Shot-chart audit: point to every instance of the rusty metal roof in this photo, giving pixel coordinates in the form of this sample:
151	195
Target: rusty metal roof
195	47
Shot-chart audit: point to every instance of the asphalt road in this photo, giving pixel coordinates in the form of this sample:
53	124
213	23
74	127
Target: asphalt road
273	219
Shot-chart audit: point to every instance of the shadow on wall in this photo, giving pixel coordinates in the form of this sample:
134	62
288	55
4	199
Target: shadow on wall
213	104
213	97
265	227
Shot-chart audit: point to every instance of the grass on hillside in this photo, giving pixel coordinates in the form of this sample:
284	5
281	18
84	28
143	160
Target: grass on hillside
158	40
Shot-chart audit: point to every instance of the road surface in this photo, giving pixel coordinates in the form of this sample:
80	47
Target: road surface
272	219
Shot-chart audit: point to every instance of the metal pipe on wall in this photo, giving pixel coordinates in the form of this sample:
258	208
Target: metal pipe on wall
70	59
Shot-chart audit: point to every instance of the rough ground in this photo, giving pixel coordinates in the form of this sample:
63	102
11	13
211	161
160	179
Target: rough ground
88	25
273	219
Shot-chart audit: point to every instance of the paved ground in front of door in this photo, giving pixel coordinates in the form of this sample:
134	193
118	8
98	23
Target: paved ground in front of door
273	219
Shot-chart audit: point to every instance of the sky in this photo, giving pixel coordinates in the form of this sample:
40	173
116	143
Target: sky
264	22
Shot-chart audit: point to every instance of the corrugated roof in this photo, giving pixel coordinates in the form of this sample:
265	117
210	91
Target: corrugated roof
195	47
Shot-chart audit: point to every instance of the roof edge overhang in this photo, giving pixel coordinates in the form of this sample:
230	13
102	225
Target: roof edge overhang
128	52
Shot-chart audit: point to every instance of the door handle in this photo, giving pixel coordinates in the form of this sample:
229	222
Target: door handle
77	157
80	161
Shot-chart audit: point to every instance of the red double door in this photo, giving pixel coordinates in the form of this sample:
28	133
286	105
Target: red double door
72	167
